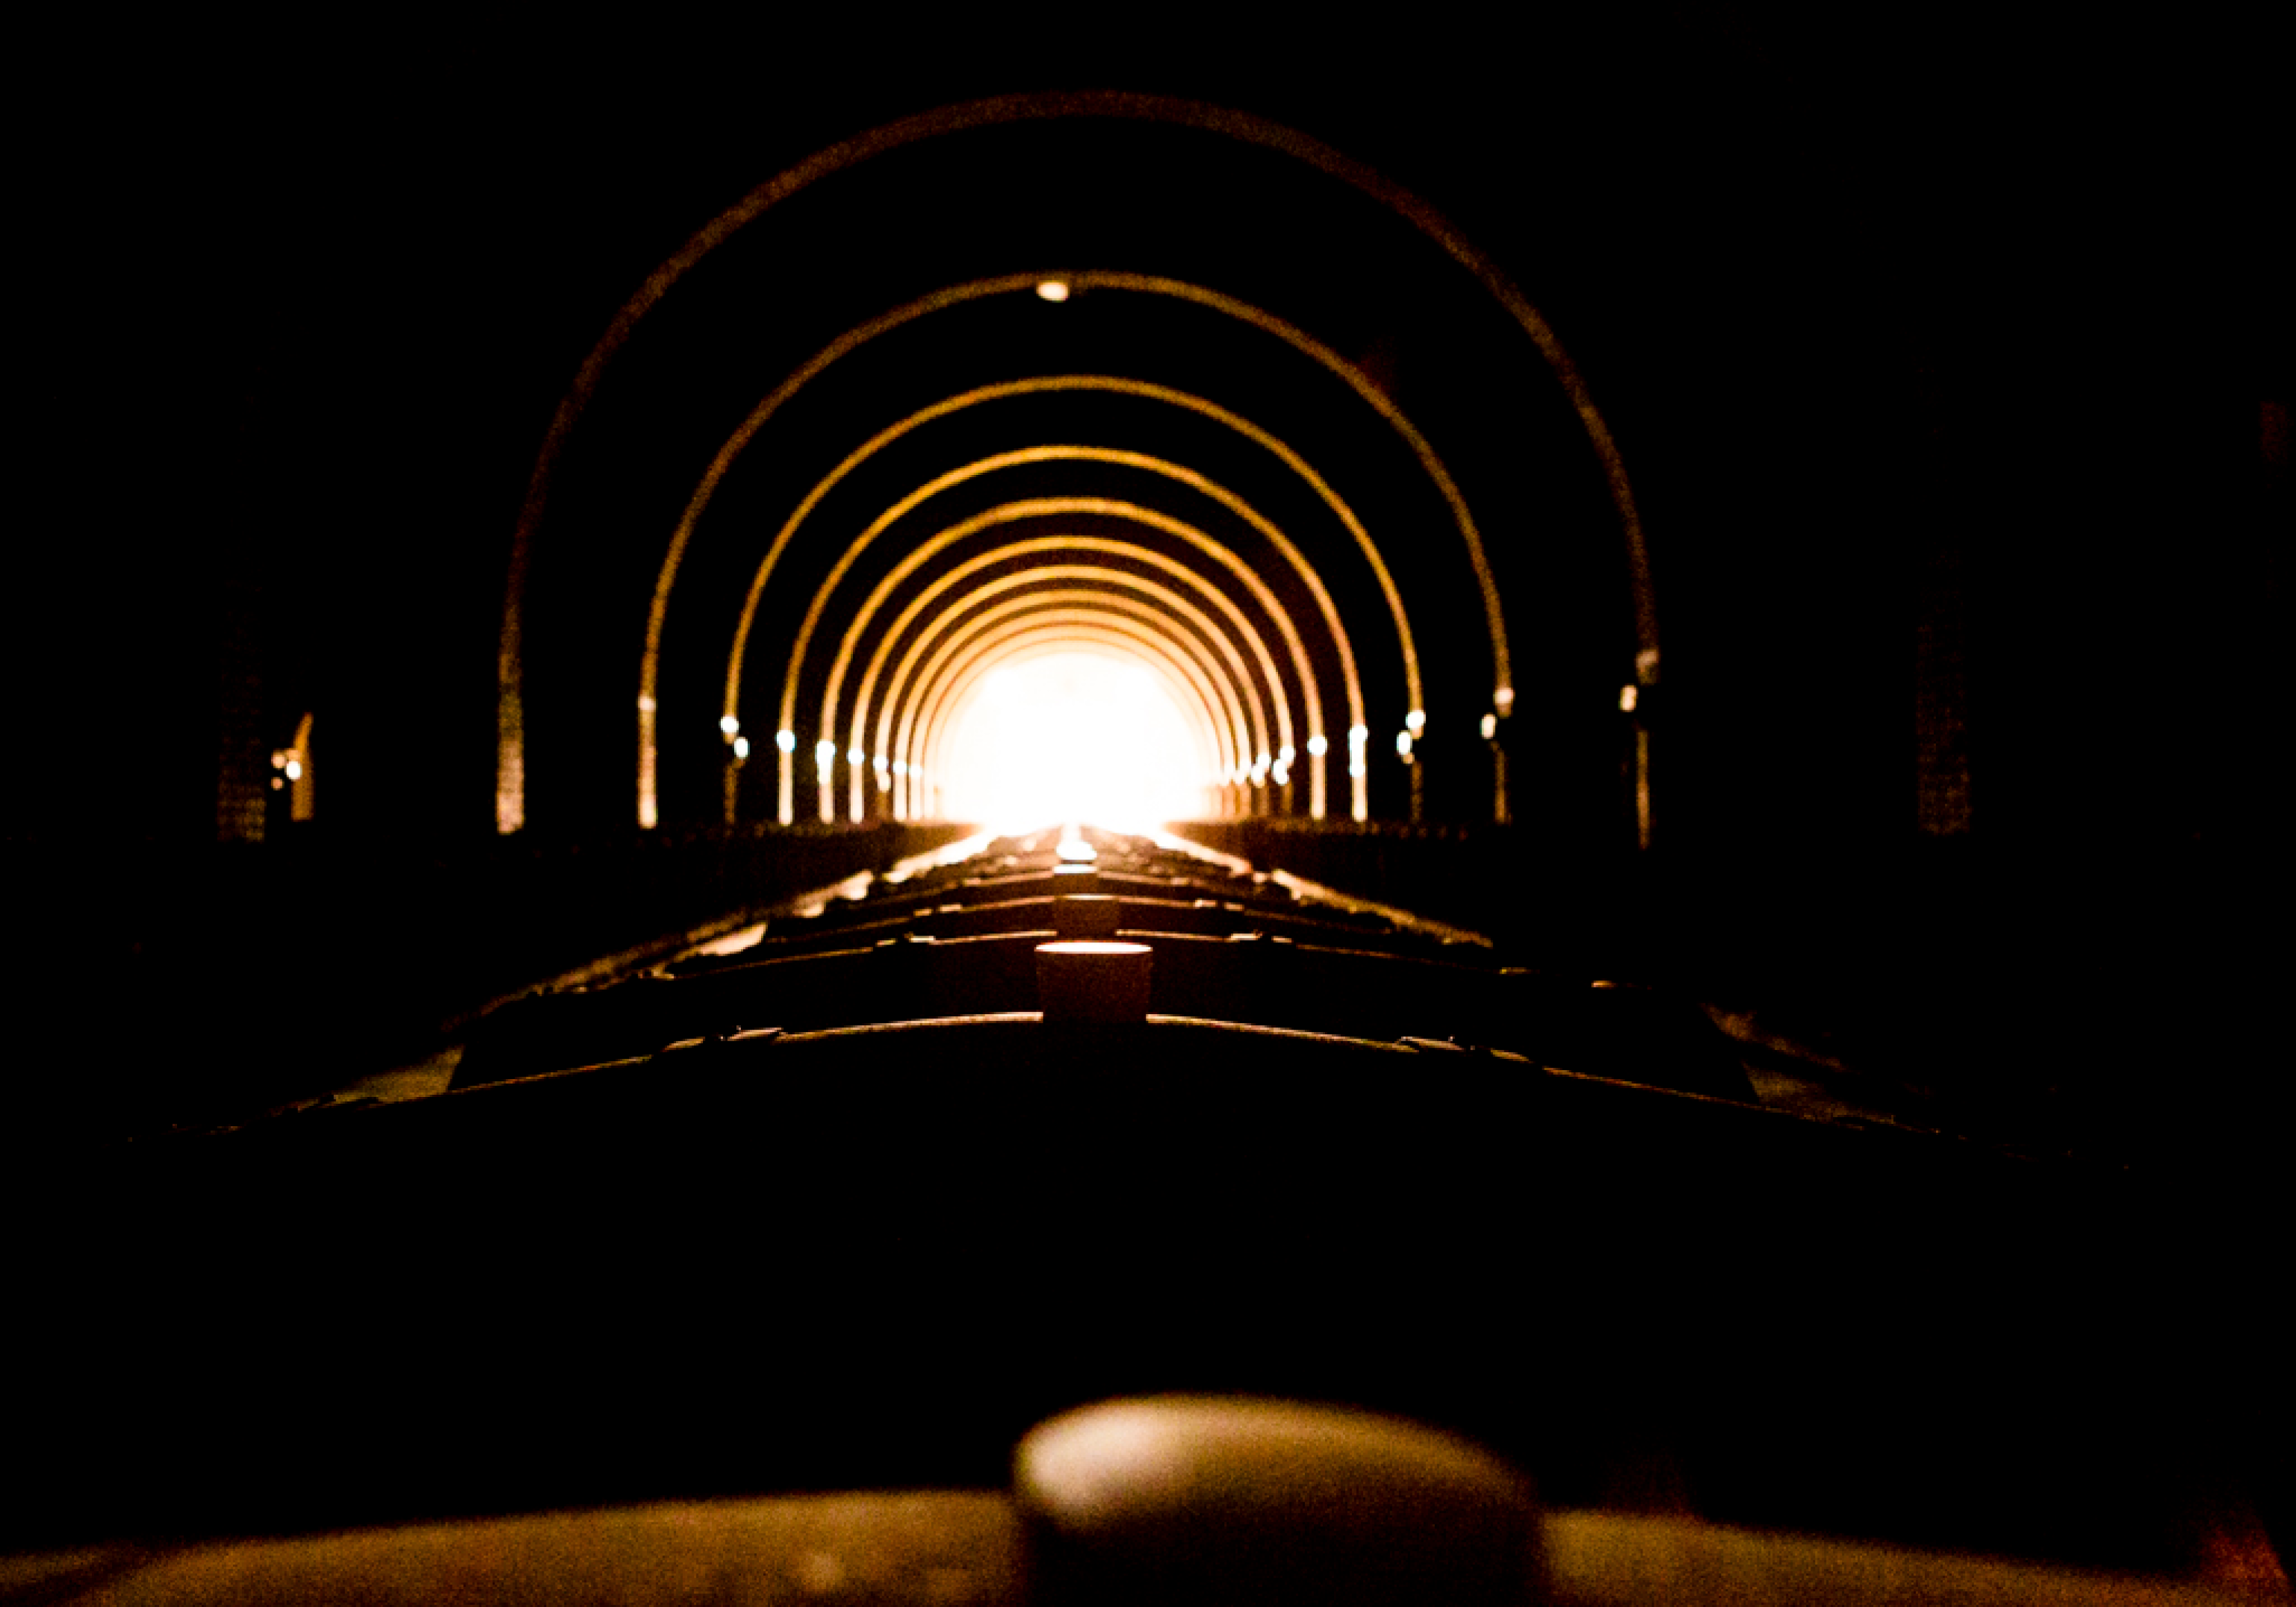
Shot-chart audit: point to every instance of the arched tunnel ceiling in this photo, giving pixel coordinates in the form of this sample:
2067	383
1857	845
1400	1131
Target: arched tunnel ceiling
1267	376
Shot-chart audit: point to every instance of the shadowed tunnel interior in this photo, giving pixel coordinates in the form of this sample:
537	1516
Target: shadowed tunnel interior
1795	524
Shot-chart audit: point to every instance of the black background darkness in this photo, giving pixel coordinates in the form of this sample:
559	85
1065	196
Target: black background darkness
1938	319
1910	317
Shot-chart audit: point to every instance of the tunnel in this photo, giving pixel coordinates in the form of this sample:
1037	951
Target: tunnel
1675	613
941	393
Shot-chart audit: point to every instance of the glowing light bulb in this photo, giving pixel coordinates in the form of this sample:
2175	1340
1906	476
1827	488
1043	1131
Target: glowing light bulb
1415	721
294	771
1403	744
1317	746
824	755
729	726
1053	290
786	741
1628	698
741	747
1490	726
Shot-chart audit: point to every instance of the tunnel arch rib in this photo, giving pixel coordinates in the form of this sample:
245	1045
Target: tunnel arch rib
1130	513
1105	580
1335	627
509	770
1350	374
1303	671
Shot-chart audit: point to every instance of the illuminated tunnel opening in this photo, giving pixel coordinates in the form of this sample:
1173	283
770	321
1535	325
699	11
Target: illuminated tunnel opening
894	434
1072	735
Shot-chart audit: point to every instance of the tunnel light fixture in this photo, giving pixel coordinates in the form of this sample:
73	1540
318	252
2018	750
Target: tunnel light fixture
1415	721
1358	735
900	766
786	741
741	747
1628	698
1285	754
294	770
730	727
853	756
1317	746
824	755
1502	699
1053	290
645	705
1490	726
1403	744
1356	767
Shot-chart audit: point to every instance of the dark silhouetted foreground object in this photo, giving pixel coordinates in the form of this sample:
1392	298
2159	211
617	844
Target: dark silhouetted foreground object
1217	1502
1204	1501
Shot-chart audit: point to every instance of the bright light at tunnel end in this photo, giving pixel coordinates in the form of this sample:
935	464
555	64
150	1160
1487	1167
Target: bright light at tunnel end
1073	737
